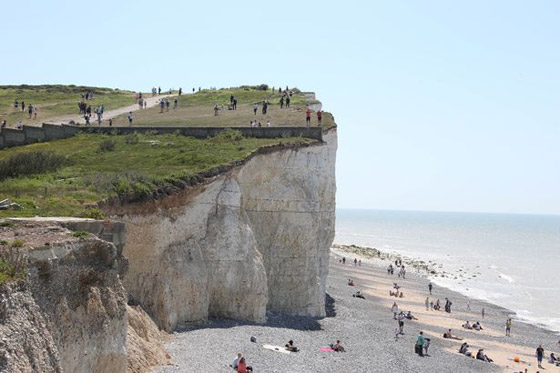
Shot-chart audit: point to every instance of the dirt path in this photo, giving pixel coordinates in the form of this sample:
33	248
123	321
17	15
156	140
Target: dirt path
150	102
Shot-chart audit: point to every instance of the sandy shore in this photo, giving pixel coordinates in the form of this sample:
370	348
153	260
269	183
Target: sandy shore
367	329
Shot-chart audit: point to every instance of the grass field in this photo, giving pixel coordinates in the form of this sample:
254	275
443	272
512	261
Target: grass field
197	110
136	164
55	101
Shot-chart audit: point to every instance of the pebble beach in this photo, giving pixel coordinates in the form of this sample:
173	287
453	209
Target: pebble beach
366	329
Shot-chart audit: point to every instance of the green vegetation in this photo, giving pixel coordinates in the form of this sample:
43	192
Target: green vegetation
80	234
17	243
136	167
12	263
55	101
30	163
197	110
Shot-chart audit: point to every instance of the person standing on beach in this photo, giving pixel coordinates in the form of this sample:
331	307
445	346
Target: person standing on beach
400	320
427	303
430	286
508	328
482	312
540	354
395	309
419	346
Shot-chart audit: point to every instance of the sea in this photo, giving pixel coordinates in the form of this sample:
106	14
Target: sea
510	260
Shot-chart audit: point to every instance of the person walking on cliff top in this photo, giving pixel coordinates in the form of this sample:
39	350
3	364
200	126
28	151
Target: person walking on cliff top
287	101
255	108
130	118
234	103
319	116
180	91
281	102
308	118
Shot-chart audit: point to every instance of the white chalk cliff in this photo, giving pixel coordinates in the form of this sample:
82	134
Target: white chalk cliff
253	239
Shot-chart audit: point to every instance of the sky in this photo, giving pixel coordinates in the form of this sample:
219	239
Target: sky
440	105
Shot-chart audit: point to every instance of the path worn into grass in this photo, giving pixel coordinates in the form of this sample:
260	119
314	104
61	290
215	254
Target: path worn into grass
150	102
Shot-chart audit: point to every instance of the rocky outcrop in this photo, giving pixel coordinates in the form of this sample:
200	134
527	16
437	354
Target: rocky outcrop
252	239
144	342
69	314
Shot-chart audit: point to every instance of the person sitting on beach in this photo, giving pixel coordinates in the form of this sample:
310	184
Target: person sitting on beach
467	325
337	347
480	355
396	286
401	295
358	294
410	316
464	349
437	306
449	335
552	359
477	326
290	346
242	366
350	282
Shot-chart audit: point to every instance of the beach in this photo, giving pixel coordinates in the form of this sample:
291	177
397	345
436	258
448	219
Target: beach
366	329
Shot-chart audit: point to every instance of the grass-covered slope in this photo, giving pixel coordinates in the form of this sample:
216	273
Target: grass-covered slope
100	166
197	110
55	101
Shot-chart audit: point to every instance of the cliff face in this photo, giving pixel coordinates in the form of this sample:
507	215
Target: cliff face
69	314
253	239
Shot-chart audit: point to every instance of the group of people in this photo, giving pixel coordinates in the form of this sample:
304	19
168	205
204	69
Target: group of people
308	117
164	104
32	111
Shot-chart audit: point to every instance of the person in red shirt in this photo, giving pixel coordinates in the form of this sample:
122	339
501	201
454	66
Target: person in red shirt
319	116
308	117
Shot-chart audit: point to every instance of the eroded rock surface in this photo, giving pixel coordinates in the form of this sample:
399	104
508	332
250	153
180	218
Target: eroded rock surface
253	239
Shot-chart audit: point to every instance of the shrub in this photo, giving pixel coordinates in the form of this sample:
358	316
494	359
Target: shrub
228	135
12	264
94	214
30	163
107	146
18	243
6	223
80	234
120	183
131	139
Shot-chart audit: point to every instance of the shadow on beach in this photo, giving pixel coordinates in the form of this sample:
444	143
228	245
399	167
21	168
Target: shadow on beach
274	320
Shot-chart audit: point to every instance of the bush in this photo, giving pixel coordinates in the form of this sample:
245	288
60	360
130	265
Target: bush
30	163
18	243
12	264
107	146
121	183
6	223
228	135
131	139
94	214
80	234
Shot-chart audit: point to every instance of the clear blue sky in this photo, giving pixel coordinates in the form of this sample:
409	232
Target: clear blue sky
440	105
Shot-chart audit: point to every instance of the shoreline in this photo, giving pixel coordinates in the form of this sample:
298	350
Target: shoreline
366	329
431	270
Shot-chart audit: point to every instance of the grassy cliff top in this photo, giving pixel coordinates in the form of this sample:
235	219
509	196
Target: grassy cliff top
197	110
55	101
68	177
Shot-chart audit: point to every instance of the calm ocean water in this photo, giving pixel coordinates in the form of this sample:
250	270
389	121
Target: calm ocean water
510	260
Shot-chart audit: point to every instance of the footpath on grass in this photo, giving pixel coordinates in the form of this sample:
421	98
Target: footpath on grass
151	101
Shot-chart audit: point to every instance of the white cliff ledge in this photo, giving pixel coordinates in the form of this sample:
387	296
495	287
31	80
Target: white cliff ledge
255	238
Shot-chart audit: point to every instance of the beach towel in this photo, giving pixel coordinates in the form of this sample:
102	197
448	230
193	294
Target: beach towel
277	349
327	349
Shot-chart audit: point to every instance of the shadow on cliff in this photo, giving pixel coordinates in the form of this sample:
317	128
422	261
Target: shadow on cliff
274	320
